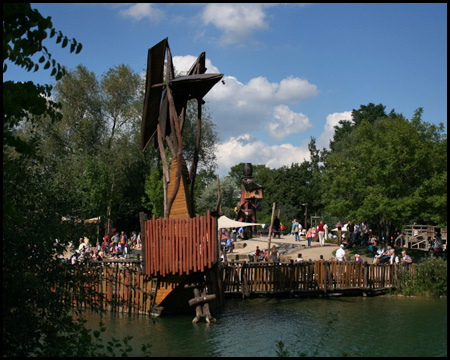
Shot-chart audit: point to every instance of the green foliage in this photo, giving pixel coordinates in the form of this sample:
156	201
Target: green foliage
38	188
429	278
381	172
154	191
288	187
24	30
207	200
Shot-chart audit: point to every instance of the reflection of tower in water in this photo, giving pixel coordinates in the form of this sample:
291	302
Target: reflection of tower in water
251	193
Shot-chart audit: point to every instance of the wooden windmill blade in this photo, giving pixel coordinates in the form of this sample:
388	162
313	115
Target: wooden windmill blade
153	91
199	65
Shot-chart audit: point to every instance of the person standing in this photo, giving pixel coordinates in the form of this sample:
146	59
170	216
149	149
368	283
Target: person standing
406	259
274	254
276	226
365	233
321	230
309	237
295	229
340	253
351	230
115	238
123	241
356	234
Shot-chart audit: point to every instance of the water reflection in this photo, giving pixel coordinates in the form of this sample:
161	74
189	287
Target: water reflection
380	326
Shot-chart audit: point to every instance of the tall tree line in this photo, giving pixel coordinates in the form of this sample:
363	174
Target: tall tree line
379	167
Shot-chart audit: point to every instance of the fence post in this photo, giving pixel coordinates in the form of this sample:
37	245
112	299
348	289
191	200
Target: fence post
366	274
142	220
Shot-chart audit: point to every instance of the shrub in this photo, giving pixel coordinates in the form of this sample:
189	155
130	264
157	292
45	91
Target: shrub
429	278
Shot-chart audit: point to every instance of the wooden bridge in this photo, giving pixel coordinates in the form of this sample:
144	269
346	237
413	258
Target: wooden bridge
310	278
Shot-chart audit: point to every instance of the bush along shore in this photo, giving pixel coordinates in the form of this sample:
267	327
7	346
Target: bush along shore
429	279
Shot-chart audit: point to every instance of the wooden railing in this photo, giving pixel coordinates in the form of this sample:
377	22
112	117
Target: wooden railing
113	287
322	276
180	246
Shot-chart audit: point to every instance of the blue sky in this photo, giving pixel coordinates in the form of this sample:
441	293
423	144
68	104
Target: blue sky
291	71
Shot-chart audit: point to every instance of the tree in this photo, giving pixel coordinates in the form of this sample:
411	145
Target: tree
35	320
24	30
208	197
382	171
370	113
94	149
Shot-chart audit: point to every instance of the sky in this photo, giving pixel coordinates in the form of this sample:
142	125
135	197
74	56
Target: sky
291	71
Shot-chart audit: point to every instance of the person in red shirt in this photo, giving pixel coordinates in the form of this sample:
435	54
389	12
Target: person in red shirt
321	230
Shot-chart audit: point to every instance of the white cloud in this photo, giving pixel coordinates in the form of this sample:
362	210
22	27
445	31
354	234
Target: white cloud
294	88
183	64
286	122
244	148
142	10
237	21
328	129
239	108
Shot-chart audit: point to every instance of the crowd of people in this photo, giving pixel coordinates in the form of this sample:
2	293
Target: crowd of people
116	247
352	234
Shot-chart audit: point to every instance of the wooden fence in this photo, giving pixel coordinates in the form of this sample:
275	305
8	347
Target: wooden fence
127	289
180	246
114	288
310	277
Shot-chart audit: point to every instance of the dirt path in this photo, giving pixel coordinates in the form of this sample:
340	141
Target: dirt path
288	248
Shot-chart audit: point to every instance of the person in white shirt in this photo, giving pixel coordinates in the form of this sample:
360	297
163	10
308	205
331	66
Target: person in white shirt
340	253
393	259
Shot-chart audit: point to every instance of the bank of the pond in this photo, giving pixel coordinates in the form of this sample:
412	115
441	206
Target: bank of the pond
350	326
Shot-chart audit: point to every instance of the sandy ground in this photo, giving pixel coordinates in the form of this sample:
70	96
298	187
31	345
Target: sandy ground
287	246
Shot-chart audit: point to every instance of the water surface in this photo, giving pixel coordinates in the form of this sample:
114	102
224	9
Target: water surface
344	326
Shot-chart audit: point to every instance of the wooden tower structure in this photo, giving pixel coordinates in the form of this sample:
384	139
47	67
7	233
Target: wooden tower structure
251	193
180	250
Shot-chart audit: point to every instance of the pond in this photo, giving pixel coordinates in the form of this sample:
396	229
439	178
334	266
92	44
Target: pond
339	326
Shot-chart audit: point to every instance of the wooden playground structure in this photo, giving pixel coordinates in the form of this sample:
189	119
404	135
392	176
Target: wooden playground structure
421	237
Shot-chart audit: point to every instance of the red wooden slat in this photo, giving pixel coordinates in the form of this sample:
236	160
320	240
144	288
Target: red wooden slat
192	259
169	246
208	234
156	245
163	247
175	247
136	297
194	245
204	251
179	241
189	258
198	242
151	245
190	246
162	242
214	241
148	246
183	245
